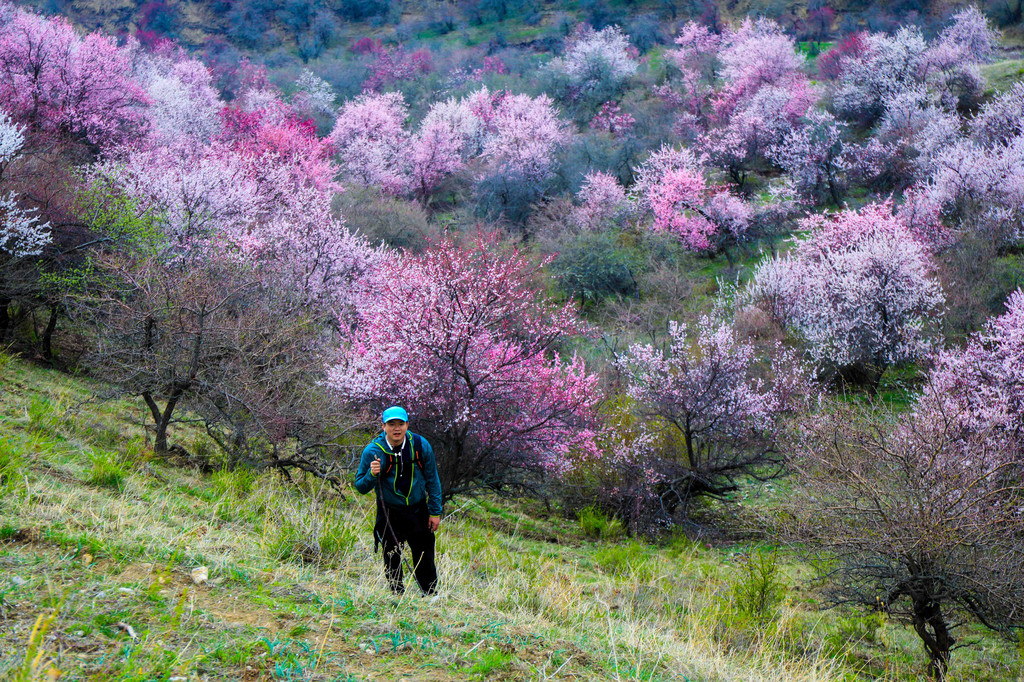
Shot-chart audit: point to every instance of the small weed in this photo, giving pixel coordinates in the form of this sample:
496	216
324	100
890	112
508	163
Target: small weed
5	360
623	559
491	661
596	525
856	629
298	630
45	416
108	470
12	468
317	532
236	482
37	663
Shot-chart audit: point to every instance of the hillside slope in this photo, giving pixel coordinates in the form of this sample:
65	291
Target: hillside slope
99	543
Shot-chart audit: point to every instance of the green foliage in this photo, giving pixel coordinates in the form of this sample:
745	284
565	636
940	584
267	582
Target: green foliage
317	533
625	560
236	482
595	266
856	629
45	416
108	469
119	218
758	591
491	661
5	360
12	468
596	525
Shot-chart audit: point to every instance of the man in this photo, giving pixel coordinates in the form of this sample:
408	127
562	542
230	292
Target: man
399	466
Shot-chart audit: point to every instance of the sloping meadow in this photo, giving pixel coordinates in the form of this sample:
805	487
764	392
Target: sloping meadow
115	565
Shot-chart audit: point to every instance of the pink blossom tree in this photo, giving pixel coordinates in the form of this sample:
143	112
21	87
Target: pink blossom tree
980	190
758	123
196	192
1001	119
696	60
911	135
671	185
746	91
183	104
755	55
951	63
370	137
394	65
981	387
859	288
523	134
309	252
602	201
60	84
438	151
812	155
706	412
830	64
611	119
473	345
887	66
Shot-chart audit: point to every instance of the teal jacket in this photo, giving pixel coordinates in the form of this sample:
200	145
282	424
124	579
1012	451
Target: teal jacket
426	484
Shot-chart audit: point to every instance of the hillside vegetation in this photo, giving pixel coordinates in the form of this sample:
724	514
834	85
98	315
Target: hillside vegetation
100	540
712	313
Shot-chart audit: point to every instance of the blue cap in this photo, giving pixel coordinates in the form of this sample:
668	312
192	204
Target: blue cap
395	412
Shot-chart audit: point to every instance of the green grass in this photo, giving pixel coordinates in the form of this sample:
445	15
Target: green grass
99	539
1000	76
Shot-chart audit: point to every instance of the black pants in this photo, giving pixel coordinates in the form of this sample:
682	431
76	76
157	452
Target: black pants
396	526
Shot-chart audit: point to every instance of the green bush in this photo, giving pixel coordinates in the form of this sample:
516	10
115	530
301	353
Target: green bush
593	267
108	469
595	524
759	591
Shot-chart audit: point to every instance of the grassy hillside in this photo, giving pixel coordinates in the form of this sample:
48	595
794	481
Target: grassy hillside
99	542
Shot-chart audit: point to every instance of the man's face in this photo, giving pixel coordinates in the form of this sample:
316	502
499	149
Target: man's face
395	430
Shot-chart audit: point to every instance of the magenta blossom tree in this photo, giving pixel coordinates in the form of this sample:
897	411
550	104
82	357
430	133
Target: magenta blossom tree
58	83
672	186
463	338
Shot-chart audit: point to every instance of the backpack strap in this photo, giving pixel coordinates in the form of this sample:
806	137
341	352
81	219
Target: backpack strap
417	450
415	442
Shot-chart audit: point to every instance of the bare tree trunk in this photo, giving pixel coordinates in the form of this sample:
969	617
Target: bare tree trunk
5	318
938	641
47	336
162	419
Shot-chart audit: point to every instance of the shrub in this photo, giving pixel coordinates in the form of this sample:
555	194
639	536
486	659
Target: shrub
595	524
758	591
593	266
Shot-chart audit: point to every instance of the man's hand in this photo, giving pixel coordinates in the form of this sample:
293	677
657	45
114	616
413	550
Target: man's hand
433	523
375	466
